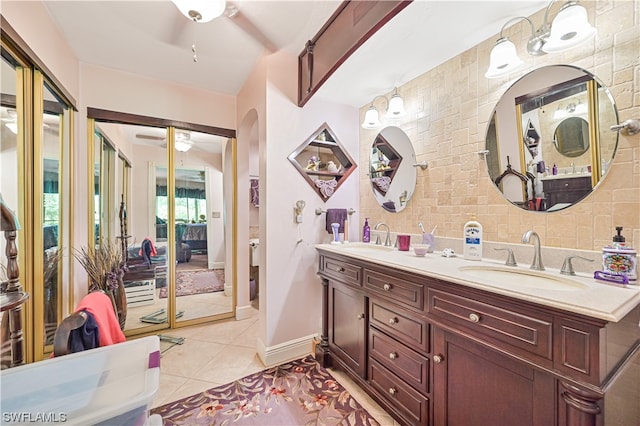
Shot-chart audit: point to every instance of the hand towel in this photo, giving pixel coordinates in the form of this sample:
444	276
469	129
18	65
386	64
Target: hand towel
99	305
336	216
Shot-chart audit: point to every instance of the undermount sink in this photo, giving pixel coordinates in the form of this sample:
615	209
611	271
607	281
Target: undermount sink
366	247
523	278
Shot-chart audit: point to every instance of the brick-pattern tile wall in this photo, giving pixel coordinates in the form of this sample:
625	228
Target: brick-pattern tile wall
449	109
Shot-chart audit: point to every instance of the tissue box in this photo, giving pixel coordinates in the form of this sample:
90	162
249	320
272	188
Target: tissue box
112	385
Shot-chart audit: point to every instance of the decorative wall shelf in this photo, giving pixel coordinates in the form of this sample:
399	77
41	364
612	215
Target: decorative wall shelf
323	162
385	161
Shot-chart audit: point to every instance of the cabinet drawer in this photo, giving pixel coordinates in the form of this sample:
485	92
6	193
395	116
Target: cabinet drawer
518	329
408	402
405	327
402	361
342	271
394	288
567	184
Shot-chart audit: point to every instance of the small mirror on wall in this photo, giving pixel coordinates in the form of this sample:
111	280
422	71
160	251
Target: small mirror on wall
323	162
571	137
391	171
548	139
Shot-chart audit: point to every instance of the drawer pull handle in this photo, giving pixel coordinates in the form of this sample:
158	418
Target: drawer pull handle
393	320
437	359
474	317
340	269
393	355
393	391
360	316
386	287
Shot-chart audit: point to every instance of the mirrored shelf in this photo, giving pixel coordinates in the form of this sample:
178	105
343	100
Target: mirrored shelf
323	161
385	161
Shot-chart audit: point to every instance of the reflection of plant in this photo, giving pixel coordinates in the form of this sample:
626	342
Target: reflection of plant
52	258
104	265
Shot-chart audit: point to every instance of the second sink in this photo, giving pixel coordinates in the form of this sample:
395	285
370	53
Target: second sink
524	278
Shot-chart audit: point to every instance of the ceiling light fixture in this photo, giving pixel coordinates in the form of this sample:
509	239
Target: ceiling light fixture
570	28
12	121
183	141
200	11
395	109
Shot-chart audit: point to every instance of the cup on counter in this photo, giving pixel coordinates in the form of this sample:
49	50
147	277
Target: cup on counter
404	241
428	240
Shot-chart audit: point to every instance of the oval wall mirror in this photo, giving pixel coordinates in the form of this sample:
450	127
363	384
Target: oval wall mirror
571	137
391	171
548	140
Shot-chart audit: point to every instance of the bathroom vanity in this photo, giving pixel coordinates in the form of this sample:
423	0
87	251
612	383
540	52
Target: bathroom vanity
444	341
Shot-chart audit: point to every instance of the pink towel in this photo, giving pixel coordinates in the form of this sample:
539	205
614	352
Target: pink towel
336	216
99	305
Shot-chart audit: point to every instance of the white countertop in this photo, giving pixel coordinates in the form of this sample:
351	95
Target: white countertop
593	298
565	176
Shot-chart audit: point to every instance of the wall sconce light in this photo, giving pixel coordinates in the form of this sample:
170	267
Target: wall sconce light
395	109
569	28
200	11
183	141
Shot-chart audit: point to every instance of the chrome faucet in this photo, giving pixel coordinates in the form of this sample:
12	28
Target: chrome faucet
387	242
537	257
567	266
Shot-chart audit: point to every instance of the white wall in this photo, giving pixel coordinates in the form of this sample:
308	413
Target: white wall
293	290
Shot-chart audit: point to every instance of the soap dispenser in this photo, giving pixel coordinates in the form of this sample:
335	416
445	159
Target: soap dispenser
366	231
618	258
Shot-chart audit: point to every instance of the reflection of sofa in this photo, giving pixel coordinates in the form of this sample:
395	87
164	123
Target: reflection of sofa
195	234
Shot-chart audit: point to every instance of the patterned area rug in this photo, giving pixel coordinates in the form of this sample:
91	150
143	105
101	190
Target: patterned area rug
300	392
197	282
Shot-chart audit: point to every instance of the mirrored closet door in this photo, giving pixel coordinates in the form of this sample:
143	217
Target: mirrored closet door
175	228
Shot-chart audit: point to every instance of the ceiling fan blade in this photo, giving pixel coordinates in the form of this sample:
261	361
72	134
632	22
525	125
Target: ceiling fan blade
237	17
150	137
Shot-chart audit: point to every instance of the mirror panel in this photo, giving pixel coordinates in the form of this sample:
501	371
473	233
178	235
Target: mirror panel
323	162
142	169
10	157
391	169
548	141
199	226
52	211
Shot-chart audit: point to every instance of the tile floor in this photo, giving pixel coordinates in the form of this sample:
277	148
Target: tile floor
215	354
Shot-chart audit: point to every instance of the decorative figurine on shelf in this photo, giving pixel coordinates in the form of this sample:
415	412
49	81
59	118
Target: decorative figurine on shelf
313	163
331	167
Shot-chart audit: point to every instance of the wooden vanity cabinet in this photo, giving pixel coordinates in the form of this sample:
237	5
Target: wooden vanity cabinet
347	327
431	352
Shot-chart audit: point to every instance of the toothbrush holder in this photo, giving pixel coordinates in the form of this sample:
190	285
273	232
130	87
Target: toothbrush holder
428	239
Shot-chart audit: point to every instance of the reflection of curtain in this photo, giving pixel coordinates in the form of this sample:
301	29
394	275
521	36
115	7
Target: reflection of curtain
200	194
50	184
254	194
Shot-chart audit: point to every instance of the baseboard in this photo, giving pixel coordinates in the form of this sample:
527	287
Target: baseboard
287	351
244	312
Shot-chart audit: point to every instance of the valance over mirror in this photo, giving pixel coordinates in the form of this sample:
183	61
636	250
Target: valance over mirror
548	140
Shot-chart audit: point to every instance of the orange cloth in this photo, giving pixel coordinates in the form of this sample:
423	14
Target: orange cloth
99	305
154	252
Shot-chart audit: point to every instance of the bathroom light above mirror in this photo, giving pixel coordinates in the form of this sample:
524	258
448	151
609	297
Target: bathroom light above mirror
570	28
395	109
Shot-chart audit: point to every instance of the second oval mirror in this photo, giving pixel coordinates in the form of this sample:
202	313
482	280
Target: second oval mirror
548	141
391	171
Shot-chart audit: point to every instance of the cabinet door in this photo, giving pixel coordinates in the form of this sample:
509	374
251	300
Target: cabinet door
347	326
474	384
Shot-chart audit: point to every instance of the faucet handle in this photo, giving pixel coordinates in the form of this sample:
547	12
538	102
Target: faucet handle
567	266
511	259
378	242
